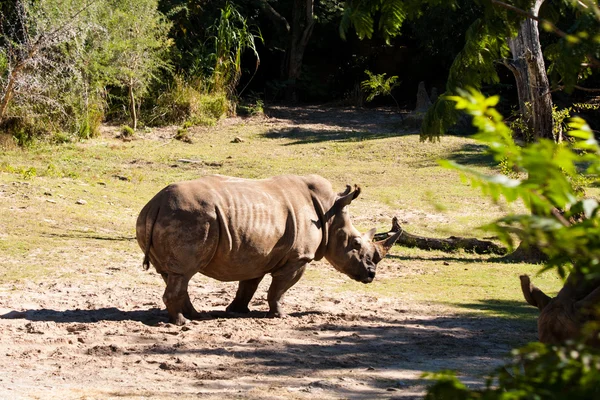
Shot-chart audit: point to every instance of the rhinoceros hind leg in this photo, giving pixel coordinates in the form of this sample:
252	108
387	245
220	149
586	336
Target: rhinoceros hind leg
188	308
175	298
281	283
244	294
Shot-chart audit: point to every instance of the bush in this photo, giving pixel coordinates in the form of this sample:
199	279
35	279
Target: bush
184	102
23	130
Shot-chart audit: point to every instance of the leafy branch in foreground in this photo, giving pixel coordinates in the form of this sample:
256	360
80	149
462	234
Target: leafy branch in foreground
564	225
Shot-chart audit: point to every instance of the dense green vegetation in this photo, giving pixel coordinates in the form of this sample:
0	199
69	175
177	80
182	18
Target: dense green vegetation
67	66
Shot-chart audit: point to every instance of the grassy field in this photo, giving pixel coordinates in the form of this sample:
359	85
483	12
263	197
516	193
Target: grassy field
69	210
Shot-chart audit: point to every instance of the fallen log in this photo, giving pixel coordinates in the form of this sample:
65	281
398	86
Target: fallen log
449	244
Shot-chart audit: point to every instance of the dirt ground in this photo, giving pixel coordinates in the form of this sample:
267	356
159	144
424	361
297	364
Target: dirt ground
76	339
63	340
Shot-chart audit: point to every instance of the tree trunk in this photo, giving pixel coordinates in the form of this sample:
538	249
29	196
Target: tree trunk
302	26
527	65
453	243
9	90
132	109
535	100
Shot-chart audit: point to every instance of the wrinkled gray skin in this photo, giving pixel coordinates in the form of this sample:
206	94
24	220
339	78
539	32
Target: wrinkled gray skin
563	317
235	229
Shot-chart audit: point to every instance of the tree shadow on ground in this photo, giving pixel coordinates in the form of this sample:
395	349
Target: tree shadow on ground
463	342
306	136
345	124
518	310
472	155
473	343
449	258
150	317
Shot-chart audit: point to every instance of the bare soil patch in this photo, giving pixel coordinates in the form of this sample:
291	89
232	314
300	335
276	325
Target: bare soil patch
108	340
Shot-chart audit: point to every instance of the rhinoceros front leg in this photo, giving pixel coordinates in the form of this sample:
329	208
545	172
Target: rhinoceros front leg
282	281
176	297
244	294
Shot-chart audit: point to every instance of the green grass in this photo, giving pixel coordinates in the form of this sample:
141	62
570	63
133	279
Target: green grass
45	233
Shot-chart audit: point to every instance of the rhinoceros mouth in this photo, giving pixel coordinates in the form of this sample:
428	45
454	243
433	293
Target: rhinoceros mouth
366	280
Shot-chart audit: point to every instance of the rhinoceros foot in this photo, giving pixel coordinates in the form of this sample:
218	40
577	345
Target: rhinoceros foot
276	314
237	308
178	320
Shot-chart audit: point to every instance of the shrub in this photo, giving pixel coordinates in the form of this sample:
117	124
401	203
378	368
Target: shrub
184	102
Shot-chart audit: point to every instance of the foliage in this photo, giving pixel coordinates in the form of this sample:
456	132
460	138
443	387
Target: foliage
127	131
379	85
486	44
137	48
59	58
38	82
551	372
231	37
562	223
390	14
189	101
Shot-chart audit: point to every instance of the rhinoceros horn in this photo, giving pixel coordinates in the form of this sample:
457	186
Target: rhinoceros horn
383	246
346	197
532	294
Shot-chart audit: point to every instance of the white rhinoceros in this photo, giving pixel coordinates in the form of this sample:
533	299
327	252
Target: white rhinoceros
234	229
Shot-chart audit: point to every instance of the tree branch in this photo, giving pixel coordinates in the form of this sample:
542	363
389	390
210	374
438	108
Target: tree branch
279	20
527	14
452	243
545	22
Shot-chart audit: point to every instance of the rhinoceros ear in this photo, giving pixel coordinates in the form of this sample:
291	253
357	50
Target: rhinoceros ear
532	294
370	235
383	246
346	199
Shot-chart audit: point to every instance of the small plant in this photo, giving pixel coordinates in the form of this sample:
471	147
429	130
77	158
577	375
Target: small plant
29	173
379	85
60	138
183	134
251	109
127	132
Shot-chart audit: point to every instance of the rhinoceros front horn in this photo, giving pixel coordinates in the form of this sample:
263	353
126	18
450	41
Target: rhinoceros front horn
383	246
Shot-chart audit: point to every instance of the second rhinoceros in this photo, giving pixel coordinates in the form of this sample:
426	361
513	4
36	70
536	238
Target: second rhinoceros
234	229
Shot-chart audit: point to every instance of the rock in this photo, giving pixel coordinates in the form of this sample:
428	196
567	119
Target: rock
188	161
81	202
423	101
237	139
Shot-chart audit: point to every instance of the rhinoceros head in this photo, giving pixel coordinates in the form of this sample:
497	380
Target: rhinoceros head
349	251
563	317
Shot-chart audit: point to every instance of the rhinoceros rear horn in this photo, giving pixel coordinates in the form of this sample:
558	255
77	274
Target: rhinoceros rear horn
383	246
345	192
532	294
347	196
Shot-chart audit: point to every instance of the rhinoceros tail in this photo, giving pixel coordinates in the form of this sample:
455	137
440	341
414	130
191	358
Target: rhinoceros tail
150	221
